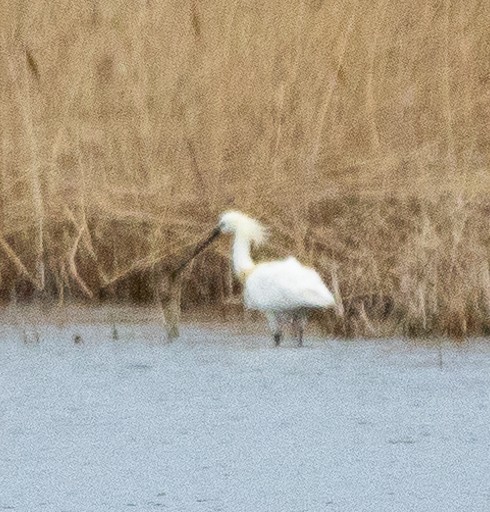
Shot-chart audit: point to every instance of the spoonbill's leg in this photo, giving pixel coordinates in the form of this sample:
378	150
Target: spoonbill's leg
275	327
301	329
299	324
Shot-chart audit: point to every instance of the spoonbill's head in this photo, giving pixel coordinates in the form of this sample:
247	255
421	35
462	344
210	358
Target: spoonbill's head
239	224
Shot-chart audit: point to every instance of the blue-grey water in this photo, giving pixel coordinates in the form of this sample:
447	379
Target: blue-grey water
220	421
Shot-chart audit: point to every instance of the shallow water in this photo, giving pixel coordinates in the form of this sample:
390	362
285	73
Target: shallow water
222	421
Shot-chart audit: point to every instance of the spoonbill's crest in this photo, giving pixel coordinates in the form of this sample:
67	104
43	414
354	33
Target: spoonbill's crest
285	290
243	226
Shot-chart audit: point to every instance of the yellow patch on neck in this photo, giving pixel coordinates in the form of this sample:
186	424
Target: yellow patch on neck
243	275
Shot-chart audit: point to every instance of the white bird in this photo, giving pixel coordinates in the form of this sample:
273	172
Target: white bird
284	290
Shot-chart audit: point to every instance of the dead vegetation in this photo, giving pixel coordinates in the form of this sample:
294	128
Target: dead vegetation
357	130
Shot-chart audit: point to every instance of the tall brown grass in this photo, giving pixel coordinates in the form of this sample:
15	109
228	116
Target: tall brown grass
357	130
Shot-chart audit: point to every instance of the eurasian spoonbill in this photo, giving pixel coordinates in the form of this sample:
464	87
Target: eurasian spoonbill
285	290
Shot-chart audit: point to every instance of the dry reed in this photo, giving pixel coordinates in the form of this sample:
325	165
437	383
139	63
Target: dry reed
358	130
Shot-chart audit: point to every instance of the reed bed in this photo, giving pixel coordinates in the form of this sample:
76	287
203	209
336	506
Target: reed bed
357	130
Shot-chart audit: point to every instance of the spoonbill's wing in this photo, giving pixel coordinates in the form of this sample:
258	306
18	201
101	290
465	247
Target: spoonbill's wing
286	284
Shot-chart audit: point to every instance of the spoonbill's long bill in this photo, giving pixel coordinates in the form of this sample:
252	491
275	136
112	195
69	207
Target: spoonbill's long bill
285	290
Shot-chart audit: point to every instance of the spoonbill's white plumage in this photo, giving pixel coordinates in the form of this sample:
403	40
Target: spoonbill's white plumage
285	290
